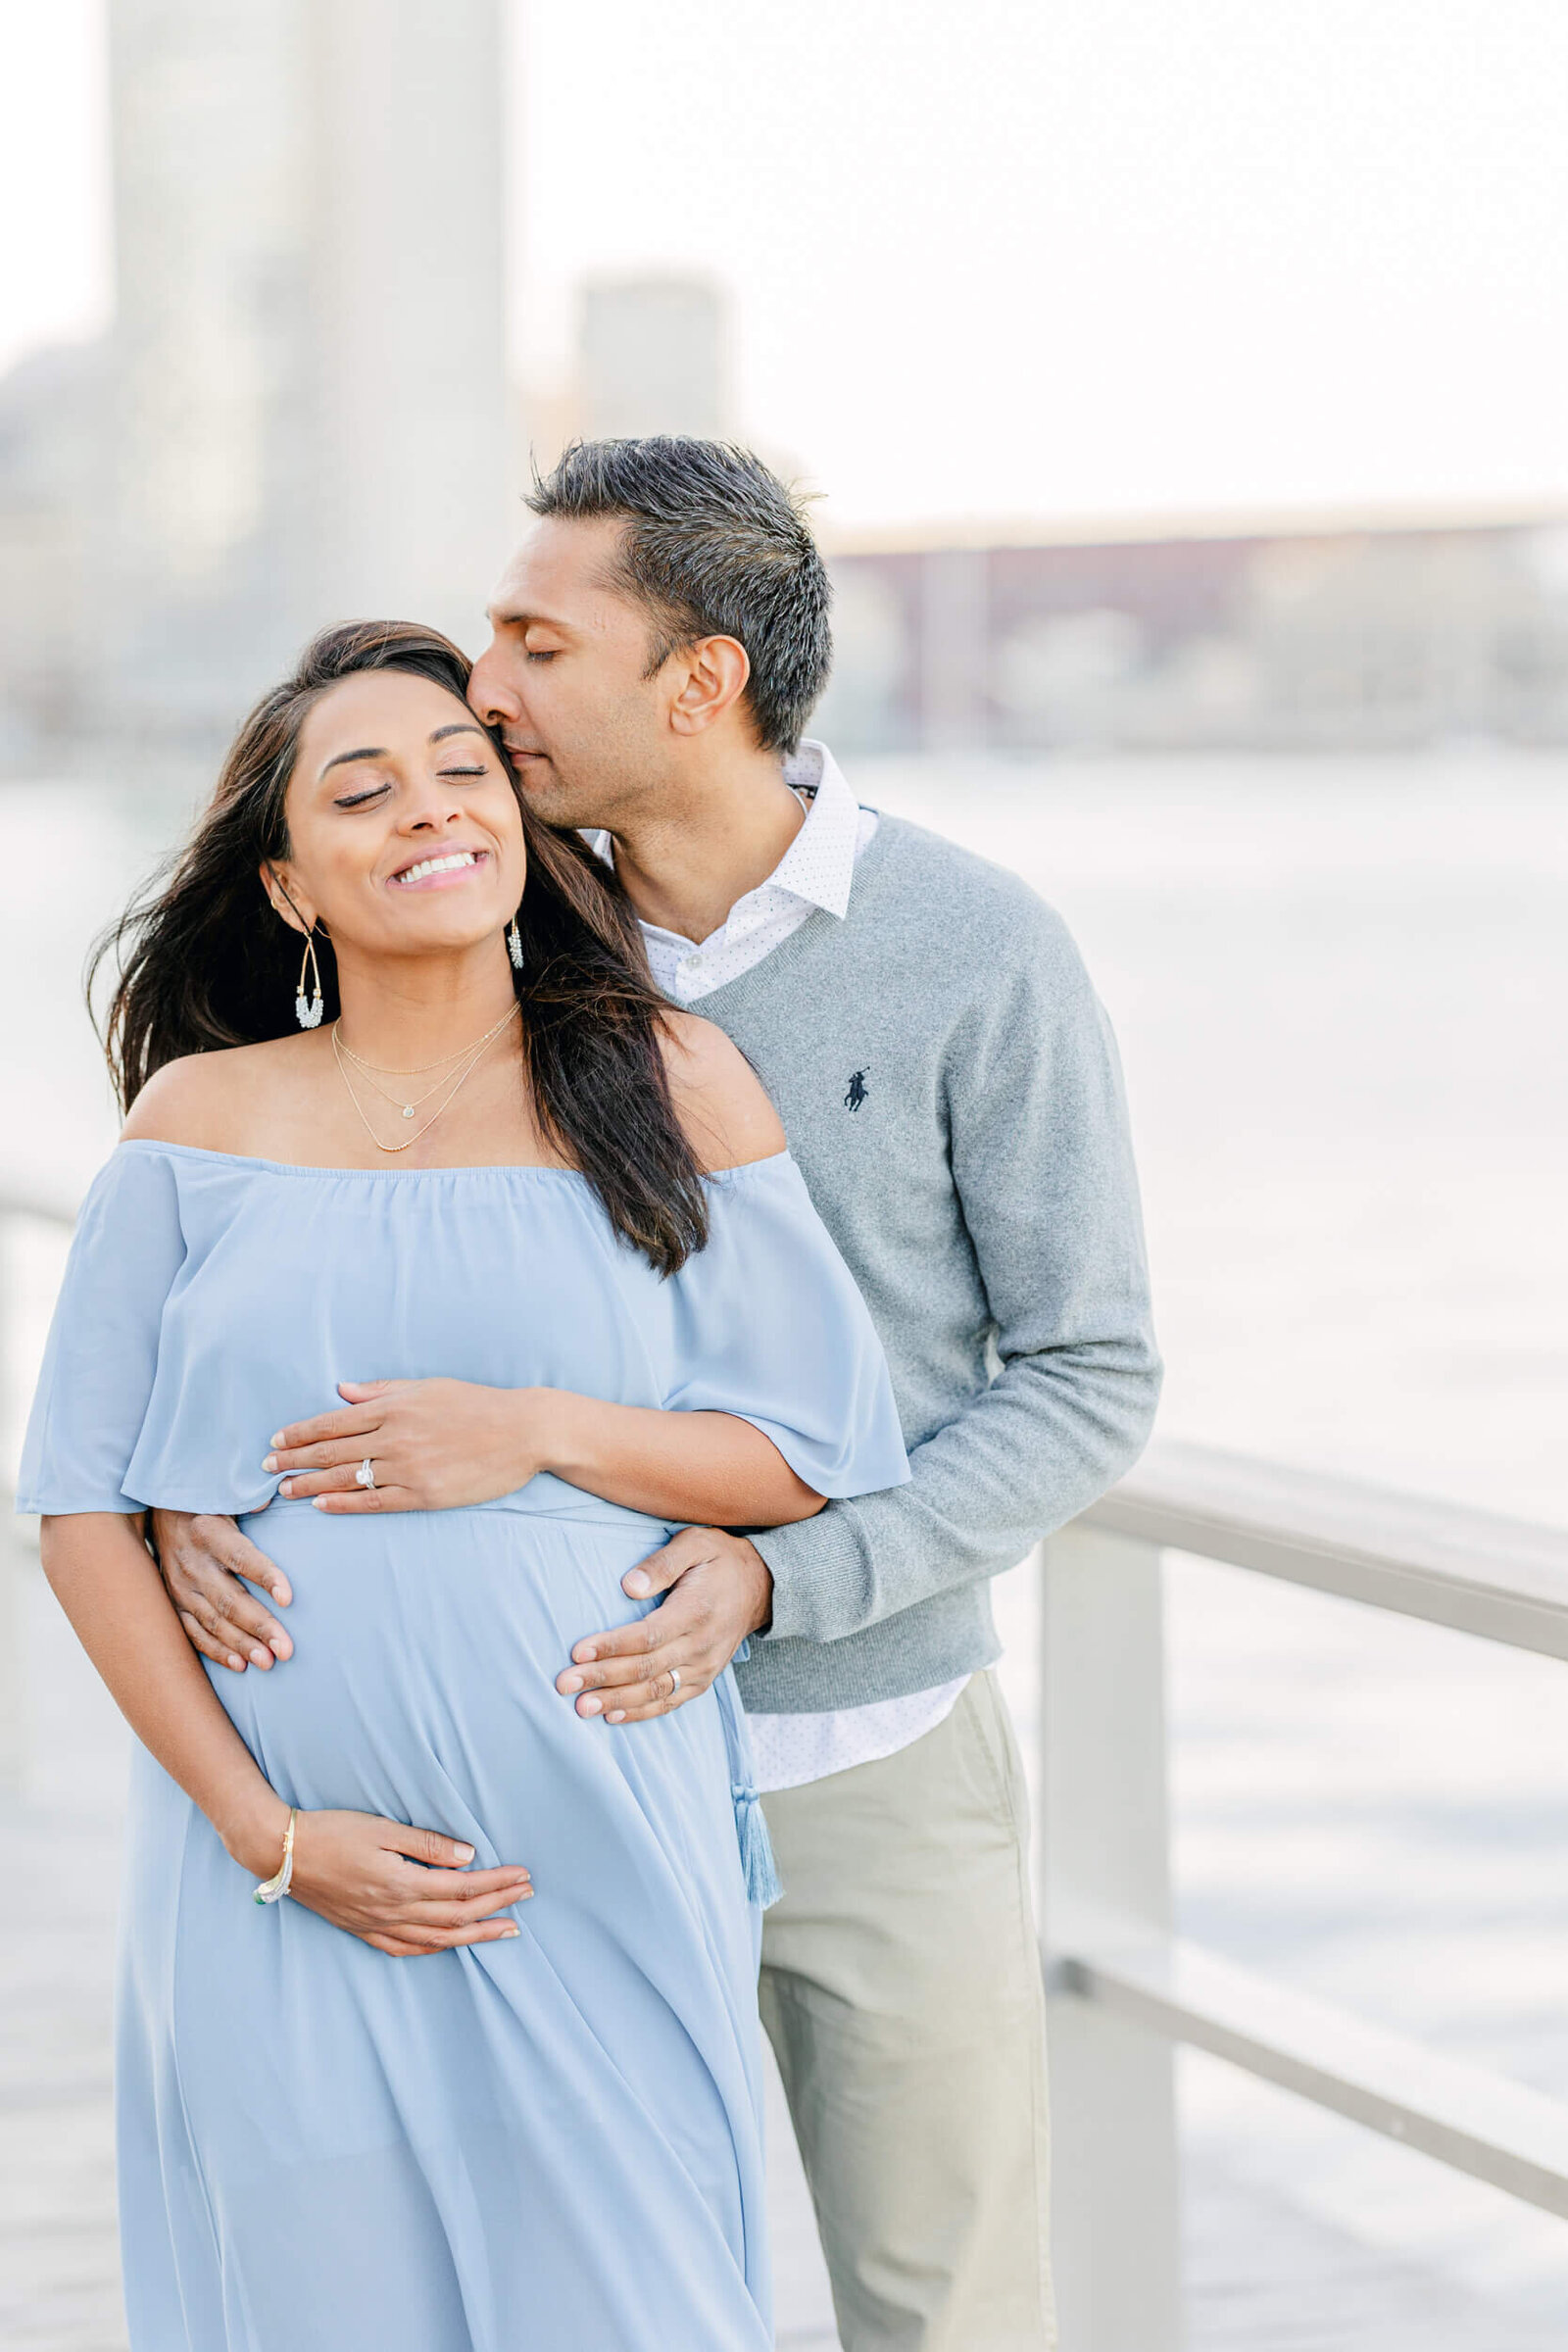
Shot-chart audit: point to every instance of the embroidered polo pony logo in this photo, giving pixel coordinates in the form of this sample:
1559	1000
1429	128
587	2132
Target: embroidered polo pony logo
855	1093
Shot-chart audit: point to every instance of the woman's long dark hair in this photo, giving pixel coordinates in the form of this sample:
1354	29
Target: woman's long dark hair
204	960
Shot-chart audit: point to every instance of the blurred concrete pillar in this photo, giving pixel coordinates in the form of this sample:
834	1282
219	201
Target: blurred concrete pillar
407	342
310	404
208	358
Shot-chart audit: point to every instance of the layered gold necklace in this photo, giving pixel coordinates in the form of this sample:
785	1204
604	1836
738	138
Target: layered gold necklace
453	1080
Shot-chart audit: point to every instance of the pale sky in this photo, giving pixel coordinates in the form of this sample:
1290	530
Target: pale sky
1100	257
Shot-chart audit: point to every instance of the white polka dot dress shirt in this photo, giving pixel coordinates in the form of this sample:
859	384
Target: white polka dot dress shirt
816	871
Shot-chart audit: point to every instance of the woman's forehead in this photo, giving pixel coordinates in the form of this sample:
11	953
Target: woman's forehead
383	710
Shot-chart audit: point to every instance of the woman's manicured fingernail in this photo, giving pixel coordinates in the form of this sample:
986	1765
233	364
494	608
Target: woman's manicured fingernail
270	1461
260	1658
465	1854
505	1931
589	1706
570	1683
287	1487
277	1438
237	1661
617	1715
636	1584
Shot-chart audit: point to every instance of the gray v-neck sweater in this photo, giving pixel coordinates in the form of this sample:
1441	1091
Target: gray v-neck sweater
949	1086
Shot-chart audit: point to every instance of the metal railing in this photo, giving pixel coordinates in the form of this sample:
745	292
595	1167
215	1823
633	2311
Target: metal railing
1122	1987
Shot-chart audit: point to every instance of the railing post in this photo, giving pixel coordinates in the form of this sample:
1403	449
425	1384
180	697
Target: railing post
1105	1878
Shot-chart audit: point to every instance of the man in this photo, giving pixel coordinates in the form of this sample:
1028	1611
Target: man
951	1090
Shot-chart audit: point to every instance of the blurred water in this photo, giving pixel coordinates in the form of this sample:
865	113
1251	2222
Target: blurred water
1342	992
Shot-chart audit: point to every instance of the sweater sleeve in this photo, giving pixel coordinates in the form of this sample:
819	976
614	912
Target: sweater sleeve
1041	1162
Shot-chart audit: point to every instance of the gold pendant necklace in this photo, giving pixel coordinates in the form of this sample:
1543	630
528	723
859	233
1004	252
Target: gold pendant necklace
476	1056
409	1109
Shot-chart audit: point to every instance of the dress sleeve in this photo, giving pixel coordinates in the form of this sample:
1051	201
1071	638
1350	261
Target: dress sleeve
769	1326
98	1367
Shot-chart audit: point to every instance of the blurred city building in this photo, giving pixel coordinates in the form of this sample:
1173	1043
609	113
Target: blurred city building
1288	636
300	413
650	355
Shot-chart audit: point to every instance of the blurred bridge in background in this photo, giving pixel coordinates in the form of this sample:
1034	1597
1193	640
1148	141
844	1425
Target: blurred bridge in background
1357	631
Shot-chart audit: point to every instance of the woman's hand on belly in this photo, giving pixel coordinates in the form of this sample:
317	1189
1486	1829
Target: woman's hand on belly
432	1445
440	1445
402	1890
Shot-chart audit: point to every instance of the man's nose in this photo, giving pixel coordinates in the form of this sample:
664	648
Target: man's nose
489	694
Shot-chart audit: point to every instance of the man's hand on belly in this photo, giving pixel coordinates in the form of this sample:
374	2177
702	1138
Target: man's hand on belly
201	1559
720	1591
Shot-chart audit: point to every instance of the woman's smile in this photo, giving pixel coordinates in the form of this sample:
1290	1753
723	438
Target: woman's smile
441	870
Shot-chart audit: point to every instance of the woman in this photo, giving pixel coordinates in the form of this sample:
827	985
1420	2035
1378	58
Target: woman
503	1160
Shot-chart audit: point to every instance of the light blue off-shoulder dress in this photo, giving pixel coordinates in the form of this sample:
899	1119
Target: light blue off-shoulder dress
532	2146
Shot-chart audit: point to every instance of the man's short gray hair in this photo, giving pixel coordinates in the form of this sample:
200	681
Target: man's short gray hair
715	546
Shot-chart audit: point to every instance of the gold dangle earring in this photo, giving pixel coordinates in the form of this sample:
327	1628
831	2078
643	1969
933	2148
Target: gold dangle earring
309	1014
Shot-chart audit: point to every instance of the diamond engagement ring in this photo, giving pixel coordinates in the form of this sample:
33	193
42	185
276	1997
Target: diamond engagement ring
364	1475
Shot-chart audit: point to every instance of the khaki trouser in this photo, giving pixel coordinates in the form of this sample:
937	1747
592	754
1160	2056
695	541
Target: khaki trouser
901	1990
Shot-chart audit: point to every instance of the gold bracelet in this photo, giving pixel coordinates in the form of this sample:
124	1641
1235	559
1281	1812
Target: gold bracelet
272	1890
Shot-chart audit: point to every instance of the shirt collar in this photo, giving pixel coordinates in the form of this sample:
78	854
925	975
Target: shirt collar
819	866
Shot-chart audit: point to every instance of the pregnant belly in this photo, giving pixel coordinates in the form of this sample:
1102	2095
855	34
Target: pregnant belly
425	1652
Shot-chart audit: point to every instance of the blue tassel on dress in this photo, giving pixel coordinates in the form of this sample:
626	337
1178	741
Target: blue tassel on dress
762	1885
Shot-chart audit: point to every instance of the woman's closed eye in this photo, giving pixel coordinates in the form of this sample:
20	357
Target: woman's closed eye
375	792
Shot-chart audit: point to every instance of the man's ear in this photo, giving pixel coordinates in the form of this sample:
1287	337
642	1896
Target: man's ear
710	679
285	899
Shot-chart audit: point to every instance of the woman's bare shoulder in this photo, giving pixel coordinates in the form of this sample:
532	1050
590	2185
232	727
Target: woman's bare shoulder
209	1102
719	1100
